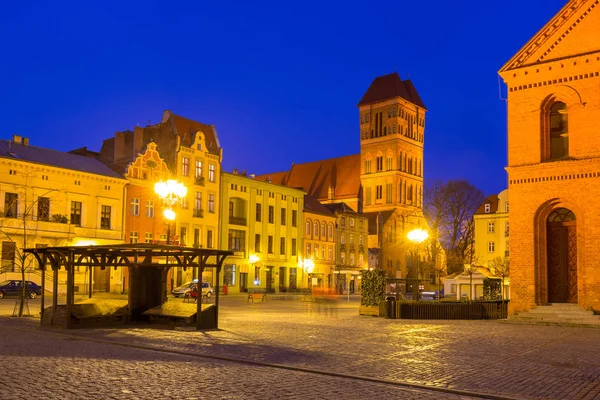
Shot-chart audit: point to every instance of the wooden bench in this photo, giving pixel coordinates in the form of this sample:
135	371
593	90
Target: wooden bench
257	294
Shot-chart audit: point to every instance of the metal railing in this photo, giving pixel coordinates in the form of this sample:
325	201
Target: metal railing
452	310
237	220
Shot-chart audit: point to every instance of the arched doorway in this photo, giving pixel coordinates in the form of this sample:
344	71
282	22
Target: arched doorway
562	256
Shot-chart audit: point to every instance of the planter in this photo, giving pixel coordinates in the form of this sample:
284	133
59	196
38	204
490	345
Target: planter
369	310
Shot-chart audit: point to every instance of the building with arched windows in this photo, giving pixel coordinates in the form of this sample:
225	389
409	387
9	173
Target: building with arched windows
554	161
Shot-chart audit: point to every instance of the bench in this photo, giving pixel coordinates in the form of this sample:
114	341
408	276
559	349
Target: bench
257	294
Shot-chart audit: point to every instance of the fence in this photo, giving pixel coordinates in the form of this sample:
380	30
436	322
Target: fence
452	310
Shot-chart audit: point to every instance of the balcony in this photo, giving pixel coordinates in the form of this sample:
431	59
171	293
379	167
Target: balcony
198	213
237	220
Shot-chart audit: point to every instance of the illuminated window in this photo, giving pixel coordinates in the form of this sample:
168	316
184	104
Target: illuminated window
185	166
148	238
211	172
135	207
491	247
559	131
149	209
133	237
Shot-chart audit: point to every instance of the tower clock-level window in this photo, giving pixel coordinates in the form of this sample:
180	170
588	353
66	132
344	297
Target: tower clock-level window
559	131
380	163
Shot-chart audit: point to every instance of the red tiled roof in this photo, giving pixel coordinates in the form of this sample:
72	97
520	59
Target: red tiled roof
492	200
311	204
187	128
342	173
388	87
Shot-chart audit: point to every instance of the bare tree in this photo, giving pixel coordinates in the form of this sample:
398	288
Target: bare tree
470	269
10	230
501	267
449	209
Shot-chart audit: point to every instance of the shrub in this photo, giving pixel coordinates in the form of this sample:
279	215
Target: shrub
372	287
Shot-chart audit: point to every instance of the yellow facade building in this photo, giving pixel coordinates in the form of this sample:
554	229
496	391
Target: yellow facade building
58	199
261	223
320	249
554	161
492	231
191	152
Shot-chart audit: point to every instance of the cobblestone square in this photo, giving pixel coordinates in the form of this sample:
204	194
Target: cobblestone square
304	350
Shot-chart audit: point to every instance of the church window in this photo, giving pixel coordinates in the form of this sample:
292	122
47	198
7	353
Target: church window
388	163
362	119
409	195
379	192
367	118
380	163
367	166
559	131
388	193
384	130
368	196
394	112
394	129
389	113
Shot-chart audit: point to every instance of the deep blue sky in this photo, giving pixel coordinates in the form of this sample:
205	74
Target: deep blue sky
280	80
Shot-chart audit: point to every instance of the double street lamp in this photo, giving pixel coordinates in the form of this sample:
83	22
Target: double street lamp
170	193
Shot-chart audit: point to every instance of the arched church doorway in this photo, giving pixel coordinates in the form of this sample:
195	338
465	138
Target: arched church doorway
562	256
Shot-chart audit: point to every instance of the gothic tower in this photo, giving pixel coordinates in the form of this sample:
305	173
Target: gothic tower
392	122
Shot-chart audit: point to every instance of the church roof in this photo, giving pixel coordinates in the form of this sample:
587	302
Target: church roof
313	205
547	43
315	178
388	87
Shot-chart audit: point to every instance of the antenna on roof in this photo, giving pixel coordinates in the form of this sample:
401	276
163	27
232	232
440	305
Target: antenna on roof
394	68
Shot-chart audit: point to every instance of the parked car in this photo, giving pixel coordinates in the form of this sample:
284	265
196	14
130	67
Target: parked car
188	287
13	288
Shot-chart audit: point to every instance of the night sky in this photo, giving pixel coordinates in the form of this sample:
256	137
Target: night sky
280	80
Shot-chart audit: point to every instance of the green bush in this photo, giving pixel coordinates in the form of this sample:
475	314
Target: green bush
491	289
372	287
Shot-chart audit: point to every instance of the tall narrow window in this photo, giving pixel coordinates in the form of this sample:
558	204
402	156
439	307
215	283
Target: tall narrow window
198	168
209	239
211	203
258	212
105	217
282	246
293	247
43	209
76	213
185	166
211	172
294	218
11	200
135	206
271	214
283	216
270	244
257	243
559	131
149	209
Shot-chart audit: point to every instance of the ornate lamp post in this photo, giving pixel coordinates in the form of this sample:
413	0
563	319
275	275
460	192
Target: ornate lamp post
171	193
418	236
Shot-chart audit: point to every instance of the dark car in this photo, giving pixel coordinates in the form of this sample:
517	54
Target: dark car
13	288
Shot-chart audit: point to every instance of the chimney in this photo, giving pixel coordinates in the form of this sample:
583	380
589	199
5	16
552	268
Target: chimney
120	151
235	171
26	141
17	139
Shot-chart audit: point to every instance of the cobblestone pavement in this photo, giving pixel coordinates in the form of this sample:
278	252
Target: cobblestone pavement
517	361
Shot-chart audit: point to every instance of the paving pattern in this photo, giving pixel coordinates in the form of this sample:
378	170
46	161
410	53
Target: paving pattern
288	349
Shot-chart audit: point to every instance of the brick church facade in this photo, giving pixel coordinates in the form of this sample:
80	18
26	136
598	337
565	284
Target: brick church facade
554	161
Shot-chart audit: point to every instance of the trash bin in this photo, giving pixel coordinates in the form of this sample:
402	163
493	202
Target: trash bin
390	307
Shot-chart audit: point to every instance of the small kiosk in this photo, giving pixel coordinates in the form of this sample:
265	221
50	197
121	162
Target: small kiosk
147	265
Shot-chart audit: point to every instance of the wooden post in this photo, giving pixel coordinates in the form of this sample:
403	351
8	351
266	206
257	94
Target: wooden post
43	267
54	291
90	281
202	260
70	279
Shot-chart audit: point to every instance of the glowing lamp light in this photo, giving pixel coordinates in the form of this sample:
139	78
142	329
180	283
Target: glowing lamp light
309	265
169	214
253	258
417	235
170	191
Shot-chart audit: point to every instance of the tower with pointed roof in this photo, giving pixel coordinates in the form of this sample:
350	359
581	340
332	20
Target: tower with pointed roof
392	124
553	167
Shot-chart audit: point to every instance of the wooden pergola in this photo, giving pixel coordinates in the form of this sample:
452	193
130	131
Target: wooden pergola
148	265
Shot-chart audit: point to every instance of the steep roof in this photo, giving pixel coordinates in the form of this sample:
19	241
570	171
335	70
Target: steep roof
340	207
187	128
388	87
39	155
576	22
493	201
315	178
311	204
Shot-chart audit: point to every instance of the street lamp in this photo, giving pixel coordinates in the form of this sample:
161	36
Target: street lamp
418	236
308	266
253	259
171	193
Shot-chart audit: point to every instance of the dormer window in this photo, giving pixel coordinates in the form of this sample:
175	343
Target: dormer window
487	208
